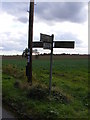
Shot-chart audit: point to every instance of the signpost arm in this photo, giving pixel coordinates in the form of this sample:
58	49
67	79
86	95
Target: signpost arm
51	61
30	39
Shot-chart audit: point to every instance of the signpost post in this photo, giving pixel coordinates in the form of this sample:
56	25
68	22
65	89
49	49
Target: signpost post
30	39
48	44
51	61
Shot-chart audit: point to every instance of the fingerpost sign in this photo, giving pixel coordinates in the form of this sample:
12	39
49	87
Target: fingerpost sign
46	42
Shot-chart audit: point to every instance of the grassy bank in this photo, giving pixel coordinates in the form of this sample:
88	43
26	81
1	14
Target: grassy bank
69	98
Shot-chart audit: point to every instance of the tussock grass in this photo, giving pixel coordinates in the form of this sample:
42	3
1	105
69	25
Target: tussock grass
13	71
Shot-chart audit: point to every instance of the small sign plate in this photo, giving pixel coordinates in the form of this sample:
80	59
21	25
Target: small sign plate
45	38
46	45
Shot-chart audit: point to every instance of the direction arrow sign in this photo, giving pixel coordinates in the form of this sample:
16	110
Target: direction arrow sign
58	44
45	38
64	44
37	44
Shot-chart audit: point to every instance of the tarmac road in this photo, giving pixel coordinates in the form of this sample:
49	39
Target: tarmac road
7	115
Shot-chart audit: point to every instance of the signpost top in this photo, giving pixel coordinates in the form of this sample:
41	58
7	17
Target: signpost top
45	38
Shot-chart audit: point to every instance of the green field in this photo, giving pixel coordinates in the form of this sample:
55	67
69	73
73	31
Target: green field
69	97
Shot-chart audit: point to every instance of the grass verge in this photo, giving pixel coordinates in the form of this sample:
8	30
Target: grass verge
69	98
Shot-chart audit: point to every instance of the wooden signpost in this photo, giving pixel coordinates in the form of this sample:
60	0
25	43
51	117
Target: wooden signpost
30	40
46	42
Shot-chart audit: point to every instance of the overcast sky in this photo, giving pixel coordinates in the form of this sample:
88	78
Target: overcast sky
66	20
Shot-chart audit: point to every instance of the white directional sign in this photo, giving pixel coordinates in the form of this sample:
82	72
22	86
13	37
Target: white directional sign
45	38
46	45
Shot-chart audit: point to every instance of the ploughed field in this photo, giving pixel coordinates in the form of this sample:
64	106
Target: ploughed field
69	96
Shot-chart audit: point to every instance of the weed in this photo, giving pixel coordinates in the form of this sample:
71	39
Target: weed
37	92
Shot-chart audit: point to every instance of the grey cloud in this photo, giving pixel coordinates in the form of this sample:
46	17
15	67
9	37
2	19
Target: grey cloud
69	36
19	10
23	19
13	46
62	11
48	11
12	43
